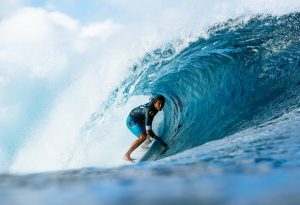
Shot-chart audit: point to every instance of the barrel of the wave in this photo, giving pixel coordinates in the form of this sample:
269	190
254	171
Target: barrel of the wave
230	81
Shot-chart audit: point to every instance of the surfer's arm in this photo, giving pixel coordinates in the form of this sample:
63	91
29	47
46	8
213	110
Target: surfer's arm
149	116
160	141
151	134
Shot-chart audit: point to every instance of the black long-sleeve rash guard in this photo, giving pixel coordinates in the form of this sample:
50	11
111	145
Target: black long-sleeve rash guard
144	114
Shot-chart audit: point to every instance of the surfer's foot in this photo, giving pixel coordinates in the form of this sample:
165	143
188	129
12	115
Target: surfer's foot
128	158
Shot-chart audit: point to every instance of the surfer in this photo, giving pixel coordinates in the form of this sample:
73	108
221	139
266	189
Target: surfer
139	122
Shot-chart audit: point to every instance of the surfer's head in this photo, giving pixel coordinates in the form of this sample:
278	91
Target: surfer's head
159	102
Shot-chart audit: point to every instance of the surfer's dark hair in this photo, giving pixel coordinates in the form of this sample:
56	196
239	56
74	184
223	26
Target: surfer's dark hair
159	97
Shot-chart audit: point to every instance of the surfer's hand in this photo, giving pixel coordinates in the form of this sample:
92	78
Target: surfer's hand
161	142
164	144
153	136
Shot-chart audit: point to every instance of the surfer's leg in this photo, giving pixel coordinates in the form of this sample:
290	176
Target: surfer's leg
139	132
134	145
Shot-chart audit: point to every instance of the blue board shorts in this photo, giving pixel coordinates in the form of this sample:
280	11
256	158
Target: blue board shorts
136	128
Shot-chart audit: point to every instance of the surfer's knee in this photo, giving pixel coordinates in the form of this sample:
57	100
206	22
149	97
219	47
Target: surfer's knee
142	137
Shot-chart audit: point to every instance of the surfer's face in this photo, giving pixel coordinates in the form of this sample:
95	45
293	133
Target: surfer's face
159	105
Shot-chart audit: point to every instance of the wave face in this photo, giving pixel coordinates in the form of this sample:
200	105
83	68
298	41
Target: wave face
243	74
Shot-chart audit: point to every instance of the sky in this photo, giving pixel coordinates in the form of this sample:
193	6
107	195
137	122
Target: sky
83	10
86	11
89	10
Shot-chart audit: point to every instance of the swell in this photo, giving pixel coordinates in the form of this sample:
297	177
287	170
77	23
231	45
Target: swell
243	74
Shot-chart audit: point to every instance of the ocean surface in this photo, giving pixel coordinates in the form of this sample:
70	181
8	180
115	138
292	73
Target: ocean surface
231	120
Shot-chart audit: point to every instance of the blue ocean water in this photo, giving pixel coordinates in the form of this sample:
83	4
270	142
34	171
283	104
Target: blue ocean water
231	120
241	76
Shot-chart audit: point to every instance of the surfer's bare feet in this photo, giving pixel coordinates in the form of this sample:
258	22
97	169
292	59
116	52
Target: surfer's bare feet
128	158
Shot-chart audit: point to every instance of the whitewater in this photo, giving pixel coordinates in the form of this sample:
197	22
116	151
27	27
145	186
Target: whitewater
230	73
